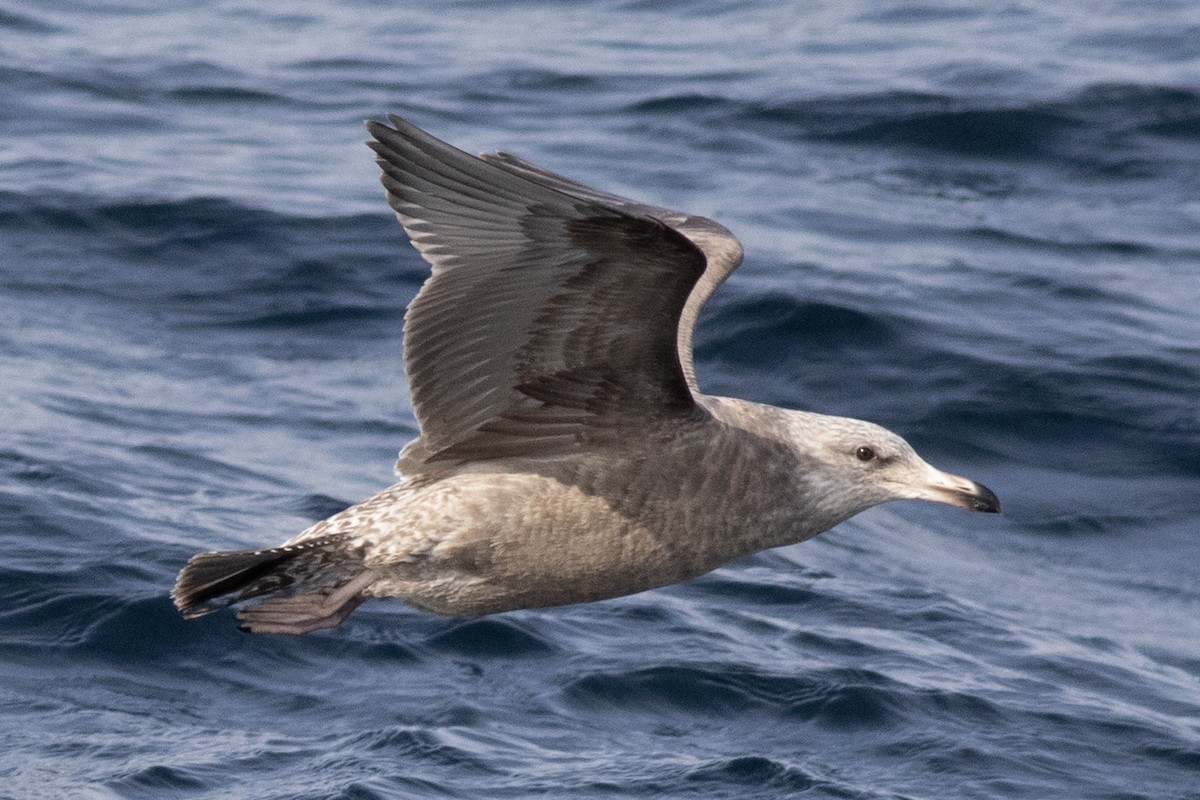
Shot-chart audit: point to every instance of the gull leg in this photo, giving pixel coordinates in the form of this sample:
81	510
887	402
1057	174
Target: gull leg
303	613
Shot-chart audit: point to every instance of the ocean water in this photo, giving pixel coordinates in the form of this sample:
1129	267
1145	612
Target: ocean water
977	224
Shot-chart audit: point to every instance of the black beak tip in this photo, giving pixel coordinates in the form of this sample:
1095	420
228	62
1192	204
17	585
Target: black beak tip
984	500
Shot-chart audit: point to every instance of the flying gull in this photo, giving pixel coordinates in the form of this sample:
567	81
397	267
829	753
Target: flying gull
565	452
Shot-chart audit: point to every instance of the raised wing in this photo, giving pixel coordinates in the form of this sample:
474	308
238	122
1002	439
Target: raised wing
551	318
722	251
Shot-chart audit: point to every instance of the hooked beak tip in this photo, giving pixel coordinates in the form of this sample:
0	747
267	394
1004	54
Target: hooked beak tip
962	492
984	500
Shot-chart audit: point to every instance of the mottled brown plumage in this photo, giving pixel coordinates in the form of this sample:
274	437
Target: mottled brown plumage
566	453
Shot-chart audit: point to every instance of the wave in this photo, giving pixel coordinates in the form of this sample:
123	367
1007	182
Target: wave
214	262
25	22
1121	130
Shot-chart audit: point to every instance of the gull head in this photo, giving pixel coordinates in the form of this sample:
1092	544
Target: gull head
871	465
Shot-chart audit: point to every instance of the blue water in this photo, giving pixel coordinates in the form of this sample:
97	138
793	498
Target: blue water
975	223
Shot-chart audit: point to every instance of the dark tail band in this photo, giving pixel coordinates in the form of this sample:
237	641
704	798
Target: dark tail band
242	574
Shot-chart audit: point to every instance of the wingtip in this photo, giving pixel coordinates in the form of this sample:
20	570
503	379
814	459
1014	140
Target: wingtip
399	133
394	124
373	127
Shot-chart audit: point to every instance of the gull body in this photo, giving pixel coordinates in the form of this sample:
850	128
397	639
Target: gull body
566	453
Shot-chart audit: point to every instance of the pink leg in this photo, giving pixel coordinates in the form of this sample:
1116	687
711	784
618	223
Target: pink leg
303	613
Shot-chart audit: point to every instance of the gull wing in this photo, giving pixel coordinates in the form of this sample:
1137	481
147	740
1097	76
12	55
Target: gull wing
722	251
551	318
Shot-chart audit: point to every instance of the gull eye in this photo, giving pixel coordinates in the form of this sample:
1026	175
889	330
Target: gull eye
864	453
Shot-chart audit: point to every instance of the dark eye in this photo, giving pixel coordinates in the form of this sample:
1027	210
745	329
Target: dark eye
864	453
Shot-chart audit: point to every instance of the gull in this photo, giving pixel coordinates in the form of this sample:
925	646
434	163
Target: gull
566	453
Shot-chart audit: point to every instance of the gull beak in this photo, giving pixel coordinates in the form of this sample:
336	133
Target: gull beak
954	490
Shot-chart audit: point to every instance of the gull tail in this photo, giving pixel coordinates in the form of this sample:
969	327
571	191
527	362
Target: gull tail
327	582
